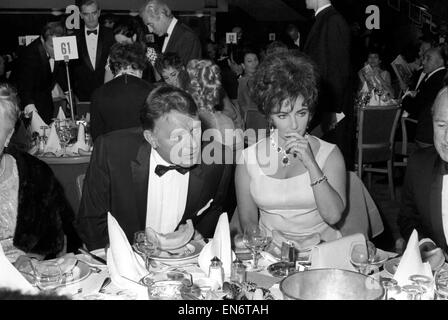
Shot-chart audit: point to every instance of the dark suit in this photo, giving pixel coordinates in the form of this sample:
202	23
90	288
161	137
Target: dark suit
185	43
422	203
328	44
116	104
420	107
35	81
86	78
117	181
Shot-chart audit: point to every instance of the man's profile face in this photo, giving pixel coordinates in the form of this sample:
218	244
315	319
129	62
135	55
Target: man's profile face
431	61
178	138
48	45
156	24
90	14
440	123
239	32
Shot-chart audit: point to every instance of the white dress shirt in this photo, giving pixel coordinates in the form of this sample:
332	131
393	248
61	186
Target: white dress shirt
92	44
445	205
167	196
321	8
169	32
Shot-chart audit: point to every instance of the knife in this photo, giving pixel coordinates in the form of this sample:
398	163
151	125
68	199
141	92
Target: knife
94	256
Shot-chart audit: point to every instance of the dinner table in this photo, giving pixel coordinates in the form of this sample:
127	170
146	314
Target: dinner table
67	169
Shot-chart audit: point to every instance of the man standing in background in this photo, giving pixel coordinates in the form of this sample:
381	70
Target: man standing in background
179	38
94	42
329	45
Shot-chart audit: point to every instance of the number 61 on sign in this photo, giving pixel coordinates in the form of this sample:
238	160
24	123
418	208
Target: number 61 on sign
65	47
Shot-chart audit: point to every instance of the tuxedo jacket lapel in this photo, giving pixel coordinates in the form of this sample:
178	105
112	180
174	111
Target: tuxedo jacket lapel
140	174
99	48
45	61
435	204
173	38
83	49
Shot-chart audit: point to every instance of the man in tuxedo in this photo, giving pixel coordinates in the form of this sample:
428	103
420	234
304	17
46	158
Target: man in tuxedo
179	38
418	103
425	194
37	73
329	45
293	37
156	176
117	103
94	42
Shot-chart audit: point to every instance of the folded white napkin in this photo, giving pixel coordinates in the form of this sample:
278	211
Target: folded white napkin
37	123
61	114
219	246
11	278
335	254
125	266
80	142
374	99
411	262
53	143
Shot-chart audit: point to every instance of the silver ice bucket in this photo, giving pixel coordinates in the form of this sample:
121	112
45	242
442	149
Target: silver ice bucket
330	284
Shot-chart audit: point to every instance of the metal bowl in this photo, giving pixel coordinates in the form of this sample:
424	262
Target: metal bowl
330	284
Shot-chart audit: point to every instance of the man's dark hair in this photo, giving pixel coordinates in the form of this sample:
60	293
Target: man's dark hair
53	29
163	100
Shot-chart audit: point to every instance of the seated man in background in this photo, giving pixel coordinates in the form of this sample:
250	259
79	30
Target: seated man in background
425	195
116	104
418	104
130	174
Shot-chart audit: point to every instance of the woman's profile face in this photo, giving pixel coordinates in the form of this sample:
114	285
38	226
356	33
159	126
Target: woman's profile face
291	118
250	62
171	76
374	60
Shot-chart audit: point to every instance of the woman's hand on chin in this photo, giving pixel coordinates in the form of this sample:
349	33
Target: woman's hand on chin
299	146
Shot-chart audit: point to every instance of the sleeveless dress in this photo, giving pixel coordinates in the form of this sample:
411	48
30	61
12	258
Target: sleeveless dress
288	205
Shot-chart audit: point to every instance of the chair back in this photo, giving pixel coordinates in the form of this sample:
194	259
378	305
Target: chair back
376	133
79	185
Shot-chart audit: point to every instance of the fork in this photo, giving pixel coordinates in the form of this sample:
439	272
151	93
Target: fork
106	282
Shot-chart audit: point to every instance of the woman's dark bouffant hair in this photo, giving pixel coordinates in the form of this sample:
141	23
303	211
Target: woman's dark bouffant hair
172	60
283	77
123	55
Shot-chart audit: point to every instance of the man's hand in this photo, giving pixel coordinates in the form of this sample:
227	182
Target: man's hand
29	109
235	67
400	245
197	235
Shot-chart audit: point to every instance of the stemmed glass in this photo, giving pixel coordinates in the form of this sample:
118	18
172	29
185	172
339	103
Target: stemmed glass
359	257
146	243
64	133
441	284
48	275
256	240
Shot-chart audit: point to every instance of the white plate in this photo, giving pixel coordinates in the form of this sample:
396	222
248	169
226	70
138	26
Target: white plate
79	272
194	248
89	260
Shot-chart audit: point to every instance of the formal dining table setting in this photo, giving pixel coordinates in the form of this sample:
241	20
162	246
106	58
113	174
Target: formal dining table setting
63	137
251	266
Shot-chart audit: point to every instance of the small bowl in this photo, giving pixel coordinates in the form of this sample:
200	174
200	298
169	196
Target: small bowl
165	290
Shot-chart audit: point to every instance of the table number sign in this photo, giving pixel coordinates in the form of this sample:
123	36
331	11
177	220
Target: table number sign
65	48
231	37
272	37
26	40
150	38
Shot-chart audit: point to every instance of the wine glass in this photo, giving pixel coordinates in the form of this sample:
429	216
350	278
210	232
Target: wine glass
256	240
359	257
48	275
64	133
425	283
388	284
146	243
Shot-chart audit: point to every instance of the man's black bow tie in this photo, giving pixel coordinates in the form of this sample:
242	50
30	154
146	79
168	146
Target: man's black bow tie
161	170
95	32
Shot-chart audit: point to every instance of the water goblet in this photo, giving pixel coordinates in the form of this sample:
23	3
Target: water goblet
425	283
413	291
146	243
63	132
48	275
359	257
256	240
388	284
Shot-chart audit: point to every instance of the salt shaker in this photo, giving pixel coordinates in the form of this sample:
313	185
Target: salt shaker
216	271
238	271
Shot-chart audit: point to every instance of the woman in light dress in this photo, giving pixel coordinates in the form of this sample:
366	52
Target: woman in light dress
291	181
373	76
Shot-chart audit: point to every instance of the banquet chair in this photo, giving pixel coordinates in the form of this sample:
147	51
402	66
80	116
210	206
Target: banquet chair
79	184
406	147
254	120
375	145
